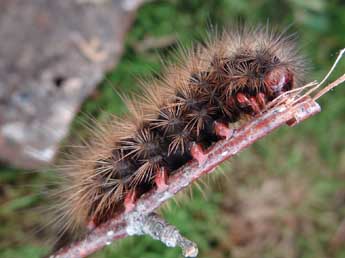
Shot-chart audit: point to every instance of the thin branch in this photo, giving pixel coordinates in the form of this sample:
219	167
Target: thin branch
125	225
156	227
329	87
291	109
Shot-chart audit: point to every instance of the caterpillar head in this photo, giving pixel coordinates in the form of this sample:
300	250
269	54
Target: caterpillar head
254	72
278	81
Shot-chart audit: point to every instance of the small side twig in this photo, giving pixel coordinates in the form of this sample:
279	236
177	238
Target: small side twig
291	109
156	227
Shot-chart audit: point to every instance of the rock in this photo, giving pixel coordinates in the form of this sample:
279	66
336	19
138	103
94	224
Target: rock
52	56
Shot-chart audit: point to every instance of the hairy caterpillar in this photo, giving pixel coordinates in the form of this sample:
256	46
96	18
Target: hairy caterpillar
190	107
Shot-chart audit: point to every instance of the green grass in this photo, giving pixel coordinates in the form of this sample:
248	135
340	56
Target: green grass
308	161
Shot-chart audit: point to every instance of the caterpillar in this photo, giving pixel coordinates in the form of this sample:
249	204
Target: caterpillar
190	106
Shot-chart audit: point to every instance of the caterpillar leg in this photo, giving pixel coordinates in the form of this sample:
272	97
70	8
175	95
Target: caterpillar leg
242	100
223	130
198	153
254	103
161	179
130	200
261	100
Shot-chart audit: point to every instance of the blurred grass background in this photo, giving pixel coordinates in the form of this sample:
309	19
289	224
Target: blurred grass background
283	197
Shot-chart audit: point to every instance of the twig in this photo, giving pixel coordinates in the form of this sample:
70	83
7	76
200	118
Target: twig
124	225
159	229
291	109
329	87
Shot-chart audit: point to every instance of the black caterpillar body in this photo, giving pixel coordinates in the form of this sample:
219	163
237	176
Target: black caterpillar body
233	77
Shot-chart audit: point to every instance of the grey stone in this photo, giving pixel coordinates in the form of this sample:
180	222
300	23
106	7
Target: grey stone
52	56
